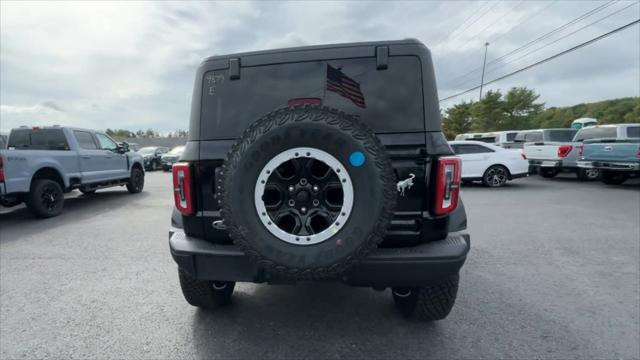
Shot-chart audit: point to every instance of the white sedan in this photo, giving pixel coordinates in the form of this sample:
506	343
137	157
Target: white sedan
488	163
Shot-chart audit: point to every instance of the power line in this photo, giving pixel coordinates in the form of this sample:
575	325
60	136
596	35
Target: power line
542	37
591	41
474	21
532	16
454	80
578	19
462	23
493	23
563	37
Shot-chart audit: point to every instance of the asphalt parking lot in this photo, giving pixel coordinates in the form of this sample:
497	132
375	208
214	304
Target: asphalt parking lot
553	273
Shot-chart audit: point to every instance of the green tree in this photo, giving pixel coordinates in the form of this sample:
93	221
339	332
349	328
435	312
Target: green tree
457	120
634	115
520	109
488	114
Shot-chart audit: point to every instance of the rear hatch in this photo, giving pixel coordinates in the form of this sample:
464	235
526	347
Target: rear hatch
556	145
394	99
541	151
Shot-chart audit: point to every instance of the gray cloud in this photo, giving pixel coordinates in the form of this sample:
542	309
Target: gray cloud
52	105
133	67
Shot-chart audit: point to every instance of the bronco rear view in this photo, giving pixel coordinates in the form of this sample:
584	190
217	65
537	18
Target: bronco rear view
320	163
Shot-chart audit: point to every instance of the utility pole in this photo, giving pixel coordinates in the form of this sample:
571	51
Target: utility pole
484	64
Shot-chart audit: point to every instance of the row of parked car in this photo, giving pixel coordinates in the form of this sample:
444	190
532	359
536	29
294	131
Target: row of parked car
607	152
160	157
38	165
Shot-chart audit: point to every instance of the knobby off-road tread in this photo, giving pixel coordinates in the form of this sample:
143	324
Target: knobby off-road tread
435	302
312	114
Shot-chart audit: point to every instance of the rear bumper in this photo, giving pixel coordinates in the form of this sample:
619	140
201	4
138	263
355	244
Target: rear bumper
546	163
610	165
421	265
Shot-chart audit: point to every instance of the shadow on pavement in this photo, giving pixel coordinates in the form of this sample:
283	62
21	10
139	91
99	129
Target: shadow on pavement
76	208
309	320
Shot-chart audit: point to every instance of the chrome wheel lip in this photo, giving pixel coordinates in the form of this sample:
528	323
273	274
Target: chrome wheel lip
347	190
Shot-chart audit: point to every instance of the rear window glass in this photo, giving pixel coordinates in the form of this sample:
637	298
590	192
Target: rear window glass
561	135
609	132
38	139
85	139
633	131
388	100
529	136
487	139
461	149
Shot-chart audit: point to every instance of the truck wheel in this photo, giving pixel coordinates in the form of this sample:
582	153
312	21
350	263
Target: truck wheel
307	192
136	181
205	294
588	174
427	303
548	172
614	178
46	198
495	176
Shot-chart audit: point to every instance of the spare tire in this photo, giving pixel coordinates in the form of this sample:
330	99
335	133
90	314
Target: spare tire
307	192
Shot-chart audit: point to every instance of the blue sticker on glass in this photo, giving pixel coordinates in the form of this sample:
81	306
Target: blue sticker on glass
356	159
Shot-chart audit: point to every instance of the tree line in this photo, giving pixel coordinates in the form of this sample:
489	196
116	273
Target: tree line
149	133
519	109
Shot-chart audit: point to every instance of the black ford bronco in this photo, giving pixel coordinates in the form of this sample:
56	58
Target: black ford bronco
320	163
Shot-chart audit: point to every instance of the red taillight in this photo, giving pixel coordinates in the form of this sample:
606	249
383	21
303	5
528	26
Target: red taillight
523	156
182	188
564	150
304	101
637	154
1	169
580	150
447	185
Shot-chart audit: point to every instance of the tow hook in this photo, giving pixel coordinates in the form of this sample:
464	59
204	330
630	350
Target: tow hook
219	225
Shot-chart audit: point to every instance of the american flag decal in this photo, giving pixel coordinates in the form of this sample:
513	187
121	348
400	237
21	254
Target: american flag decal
344	86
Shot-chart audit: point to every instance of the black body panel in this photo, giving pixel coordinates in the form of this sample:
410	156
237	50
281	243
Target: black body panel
398	85
421	265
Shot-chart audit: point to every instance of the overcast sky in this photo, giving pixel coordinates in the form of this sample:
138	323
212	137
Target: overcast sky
131	65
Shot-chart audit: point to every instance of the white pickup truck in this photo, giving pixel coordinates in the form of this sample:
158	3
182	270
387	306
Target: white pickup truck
555	152
39	165
558	151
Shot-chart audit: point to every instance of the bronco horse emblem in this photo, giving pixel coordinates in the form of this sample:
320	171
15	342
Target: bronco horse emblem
405	184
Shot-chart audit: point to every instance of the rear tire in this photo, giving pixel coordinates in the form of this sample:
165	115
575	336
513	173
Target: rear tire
427	303
548	172
495	176
46	198
205	294
136	181
614	178
588	174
